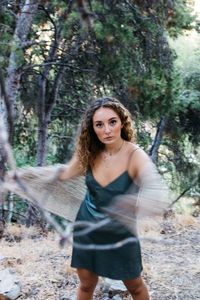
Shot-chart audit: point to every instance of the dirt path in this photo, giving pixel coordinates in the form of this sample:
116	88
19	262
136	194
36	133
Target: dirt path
171	267
174	268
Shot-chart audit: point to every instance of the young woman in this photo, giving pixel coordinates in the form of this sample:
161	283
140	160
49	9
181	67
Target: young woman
107	155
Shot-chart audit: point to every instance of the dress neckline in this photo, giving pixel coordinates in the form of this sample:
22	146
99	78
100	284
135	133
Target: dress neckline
112	181
118	177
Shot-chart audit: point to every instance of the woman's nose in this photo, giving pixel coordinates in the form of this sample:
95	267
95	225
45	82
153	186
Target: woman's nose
107	129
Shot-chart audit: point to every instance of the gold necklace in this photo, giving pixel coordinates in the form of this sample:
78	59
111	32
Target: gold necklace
107	155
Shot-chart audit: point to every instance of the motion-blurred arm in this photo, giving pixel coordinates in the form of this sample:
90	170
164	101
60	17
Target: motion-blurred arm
71	169
148	195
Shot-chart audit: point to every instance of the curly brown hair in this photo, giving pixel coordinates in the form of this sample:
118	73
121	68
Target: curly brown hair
88	146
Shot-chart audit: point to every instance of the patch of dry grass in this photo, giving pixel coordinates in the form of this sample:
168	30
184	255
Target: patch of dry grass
44	269
38	260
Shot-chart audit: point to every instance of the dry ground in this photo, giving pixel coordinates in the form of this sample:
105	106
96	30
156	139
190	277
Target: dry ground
171	267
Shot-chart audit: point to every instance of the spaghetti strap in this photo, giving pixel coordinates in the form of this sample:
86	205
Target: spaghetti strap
131	155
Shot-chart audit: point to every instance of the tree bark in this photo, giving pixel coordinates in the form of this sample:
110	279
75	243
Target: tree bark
3	154
45	106
23	26
46	102
3	158
157	140
42	140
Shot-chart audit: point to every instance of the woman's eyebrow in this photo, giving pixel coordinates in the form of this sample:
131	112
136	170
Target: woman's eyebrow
113	118
100	121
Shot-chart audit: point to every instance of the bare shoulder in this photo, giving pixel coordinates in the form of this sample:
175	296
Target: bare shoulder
136	152
138	159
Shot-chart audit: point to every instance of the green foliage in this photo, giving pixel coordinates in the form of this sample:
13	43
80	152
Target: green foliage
181	18
179	164
71	25
125	53
6	33
25	139
187	48
192	81
143	130
20	209
61	133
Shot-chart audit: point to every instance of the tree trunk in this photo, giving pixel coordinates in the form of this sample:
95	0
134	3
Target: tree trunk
47	97
42	142
157	140
12	83
3	154
46	102
2	173
45	105
23	25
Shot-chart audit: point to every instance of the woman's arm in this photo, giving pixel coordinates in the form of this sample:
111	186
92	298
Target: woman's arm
153	195
147	196
138	163
71	169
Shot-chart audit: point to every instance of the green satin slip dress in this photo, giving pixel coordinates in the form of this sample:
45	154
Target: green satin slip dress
121	263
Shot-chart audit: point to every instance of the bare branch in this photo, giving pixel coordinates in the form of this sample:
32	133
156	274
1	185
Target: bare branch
193	183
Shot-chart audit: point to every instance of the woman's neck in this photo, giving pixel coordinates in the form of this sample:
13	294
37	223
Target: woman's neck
114	148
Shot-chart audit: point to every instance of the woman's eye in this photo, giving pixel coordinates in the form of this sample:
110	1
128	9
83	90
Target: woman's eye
98	125
113	122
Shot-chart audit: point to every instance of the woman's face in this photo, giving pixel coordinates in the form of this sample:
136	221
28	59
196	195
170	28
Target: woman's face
107	125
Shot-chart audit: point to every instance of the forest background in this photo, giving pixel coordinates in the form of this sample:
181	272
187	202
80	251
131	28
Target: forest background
55	56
